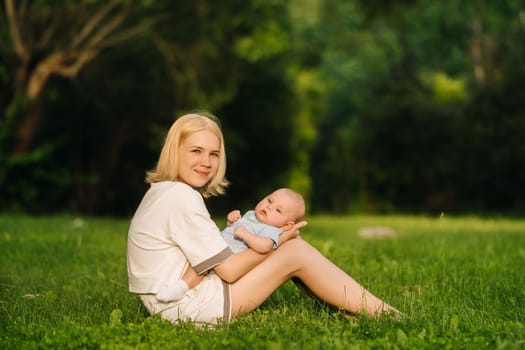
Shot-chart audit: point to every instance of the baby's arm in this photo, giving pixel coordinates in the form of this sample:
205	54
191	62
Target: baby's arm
261	245
239	264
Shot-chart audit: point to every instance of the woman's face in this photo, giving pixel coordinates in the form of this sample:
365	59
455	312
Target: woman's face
199	158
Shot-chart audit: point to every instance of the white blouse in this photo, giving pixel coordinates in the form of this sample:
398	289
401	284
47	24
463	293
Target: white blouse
170	229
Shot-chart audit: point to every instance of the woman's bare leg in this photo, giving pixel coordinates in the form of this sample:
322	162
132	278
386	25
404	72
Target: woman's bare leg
297	258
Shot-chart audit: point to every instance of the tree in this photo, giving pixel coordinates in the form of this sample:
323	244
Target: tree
46	40
111	116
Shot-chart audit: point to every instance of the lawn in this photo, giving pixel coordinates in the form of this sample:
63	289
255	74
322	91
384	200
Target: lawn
460	281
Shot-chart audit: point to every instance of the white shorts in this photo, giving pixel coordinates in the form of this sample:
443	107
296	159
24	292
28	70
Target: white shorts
208	302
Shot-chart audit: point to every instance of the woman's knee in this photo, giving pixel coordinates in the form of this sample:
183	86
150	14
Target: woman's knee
295	247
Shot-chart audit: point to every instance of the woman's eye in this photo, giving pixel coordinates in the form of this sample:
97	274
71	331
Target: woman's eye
196	150
215	155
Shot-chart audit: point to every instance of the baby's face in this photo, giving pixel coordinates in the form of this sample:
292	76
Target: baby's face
276	209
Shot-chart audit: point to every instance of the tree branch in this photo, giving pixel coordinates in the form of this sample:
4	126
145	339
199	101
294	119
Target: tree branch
123	36
47	36
14	27
41	74
105	30
70	71
93	23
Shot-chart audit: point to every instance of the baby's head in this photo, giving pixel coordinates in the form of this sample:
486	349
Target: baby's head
281	207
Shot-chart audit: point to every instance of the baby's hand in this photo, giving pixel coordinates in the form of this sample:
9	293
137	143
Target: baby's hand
233	216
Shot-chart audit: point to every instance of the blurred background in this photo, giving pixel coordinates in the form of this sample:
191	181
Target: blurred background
364	106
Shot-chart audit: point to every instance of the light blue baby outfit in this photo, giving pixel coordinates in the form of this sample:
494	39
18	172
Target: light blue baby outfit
250	222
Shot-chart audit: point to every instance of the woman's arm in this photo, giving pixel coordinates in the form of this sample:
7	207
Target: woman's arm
238	265
291	232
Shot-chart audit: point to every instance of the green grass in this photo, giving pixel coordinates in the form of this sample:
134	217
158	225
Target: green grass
63	284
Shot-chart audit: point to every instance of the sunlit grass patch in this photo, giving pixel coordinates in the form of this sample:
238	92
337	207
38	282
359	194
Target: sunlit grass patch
459	280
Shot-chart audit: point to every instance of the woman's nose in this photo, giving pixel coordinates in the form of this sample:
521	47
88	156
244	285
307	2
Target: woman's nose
205	160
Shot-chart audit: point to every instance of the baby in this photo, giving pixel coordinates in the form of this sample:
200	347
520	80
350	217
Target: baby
257	229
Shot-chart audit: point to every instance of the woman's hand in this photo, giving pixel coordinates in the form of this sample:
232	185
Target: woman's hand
291	232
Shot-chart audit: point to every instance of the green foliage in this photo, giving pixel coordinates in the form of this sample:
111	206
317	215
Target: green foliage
308	90
41	169
363	106
447	89
406	89
458	280
265	42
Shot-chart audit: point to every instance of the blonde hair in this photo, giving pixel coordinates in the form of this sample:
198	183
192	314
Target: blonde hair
167	168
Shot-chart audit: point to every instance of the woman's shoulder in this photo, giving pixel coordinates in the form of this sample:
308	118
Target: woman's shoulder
172	186
176	190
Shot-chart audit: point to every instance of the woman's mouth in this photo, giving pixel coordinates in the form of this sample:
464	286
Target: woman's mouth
202	173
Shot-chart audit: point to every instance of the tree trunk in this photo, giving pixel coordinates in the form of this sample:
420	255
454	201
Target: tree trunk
29	114
27	127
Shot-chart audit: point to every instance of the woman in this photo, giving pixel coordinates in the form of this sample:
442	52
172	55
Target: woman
172	229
